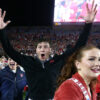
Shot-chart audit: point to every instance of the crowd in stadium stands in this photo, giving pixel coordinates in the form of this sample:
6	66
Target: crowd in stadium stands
25	41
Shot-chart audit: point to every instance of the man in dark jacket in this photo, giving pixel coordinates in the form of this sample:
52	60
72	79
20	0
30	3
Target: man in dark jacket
42	71
12	82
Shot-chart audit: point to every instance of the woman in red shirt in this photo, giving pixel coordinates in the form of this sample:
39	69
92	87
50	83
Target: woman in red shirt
81	72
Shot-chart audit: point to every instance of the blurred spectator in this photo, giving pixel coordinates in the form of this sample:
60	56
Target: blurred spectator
12	82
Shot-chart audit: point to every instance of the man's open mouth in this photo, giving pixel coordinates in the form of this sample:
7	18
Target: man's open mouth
12	64
43	56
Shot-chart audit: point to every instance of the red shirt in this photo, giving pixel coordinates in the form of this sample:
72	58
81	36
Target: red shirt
69	90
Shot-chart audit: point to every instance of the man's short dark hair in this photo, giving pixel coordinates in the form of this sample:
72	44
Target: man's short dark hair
42	40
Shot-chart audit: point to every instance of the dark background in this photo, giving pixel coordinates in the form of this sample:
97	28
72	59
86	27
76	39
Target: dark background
29	12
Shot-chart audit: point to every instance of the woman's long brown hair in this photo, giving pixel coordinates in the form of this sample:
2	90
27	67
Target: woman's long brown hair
69	69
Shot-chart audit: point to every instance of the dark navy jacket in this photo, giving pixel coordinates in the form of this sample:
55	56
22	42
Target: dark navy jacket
41	76
11	84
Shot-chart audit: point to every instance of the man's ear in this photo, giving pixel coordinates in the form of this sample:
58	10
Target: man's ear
77	64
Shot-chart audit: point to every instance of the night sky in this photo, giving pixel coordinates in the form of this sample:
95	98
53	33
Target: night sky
29	12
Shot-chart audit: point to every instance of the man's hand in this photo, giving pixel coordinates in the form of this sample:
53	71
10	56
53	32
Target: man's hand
91	13
2	23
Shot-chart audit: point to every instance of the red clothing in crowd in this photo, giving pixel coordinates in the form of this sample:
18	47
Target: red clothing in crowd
98	85
69	90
